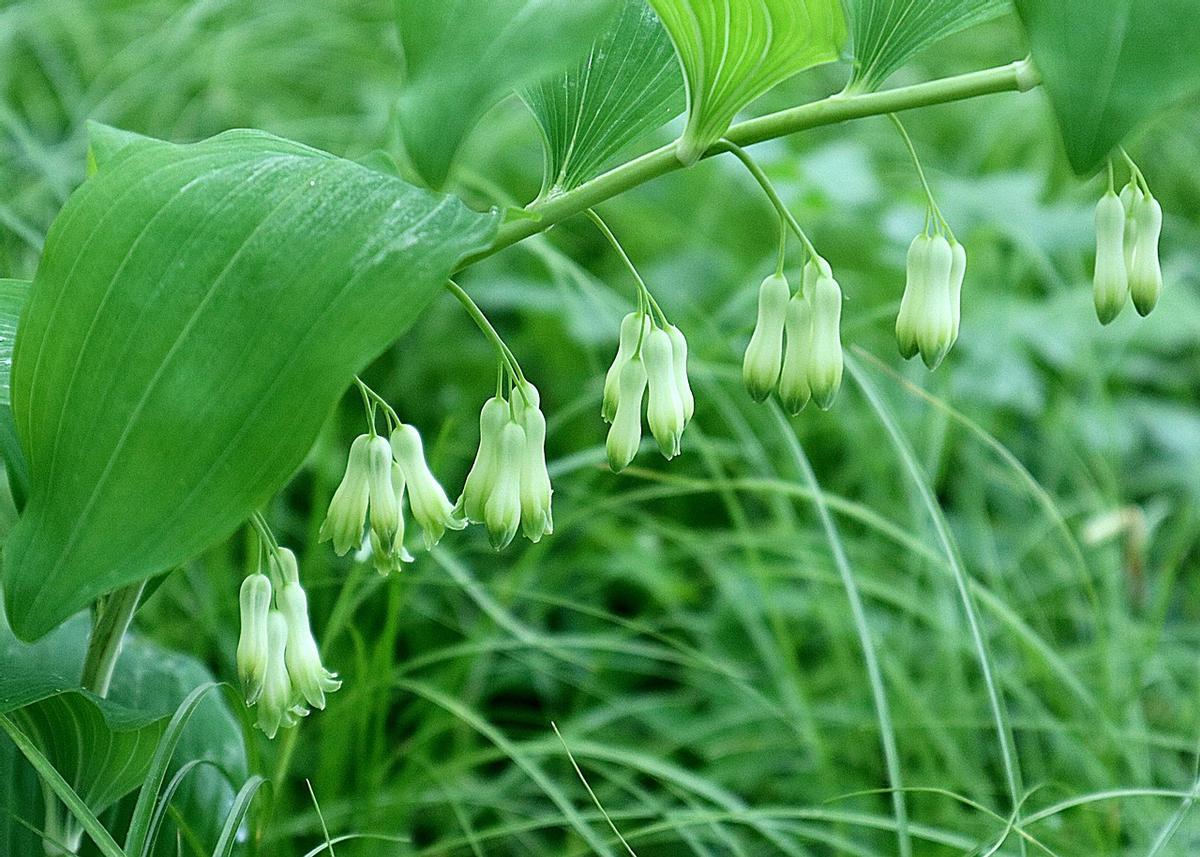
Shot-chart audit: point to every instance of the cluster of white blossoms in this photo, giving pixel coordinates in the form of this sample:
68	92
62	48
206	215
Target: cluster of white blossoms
930	308
650	356
796	347
277	658
1127	232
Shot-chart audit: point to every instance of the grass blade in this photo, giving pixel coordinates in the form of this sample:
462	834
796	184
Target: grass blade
241	804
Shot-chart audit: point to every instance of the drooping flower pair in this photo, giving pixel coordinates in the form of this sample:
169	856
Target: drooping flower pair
508	485
278	660
649	357
1128	227
380	474
930	309
796	346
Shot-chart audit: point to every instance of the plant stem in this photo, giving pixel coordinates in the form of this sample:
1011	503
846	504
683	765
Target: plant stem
1019	76
113	615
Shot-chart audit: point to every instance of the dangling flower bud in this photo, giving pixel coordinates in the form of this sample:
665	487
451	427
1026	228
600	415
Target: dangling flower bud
278	705
665	410
431	508
253	643
1145	277
764	354
794	391
384	513
625	436
825	361
1131	195
348	508
1110	283
387	561
502	512
537	519
958	272
679	358
482	477
634	327
301	654
935	326
916	288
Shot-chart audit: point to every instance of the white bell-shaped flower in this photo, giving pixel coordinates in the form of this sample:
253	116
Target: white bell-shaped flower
625	434
1110	282
309	678
1145	276
391	560
383	514
634	327
916	288
502	512
537	518
825	358
958	272
664	412
679	359
794	391
935	325
1130	196
348	509
278	705
764	354
482	476
431	509
253	647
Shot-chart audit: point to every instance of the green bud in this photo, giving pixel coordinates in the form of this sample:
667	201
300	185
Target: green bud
309	678
625	435
634	326
1130	196
679	358
764	354
278	706
794	391
958	272
664	411
916	289
1145	276
825	361
1110	284
348	509
537	519
431	508
935	326
502	512
480	480
253	643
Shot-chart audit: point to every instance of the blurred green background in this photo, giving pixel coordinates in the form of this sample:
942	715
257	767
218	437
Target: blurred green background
686	627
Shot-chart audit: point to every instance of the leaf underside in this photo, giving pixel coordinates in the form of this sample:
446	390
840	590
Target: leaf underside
628	84
196	314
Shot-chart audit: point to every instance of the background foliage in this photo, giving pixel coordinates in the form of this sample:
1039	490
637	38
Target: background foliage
685	627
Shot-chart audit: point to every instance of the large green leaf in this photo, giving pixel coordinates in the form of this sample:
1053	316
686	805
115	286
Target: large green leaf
1110	64
628	85
102	746
732	52
462	56
13	294
197	312
888	33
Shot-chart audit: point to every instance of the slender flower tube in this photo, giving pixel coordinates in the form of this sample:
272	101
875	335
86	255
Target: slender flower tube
794	391
309	678
431	508
387	561
764	354
916	288
1145	277
958	272
1110	283
482	477
625	435
679	358
825	361
664	411
348	508
935	326
278	705
502	512
1131	195
384	515
634	327
253	644
537	518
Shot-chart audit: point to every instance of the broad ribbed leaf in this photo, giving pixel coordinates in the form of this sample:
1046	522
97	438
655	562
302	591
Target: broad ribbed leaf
462	56
1110	64
13	294
732	51
102	746
197	312
888	33
628	85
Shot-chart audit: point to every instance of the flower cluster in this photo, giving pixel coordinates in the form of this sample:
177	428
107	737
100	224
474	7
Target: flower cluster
1127	232
650	356
278	661
796	346
930	308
